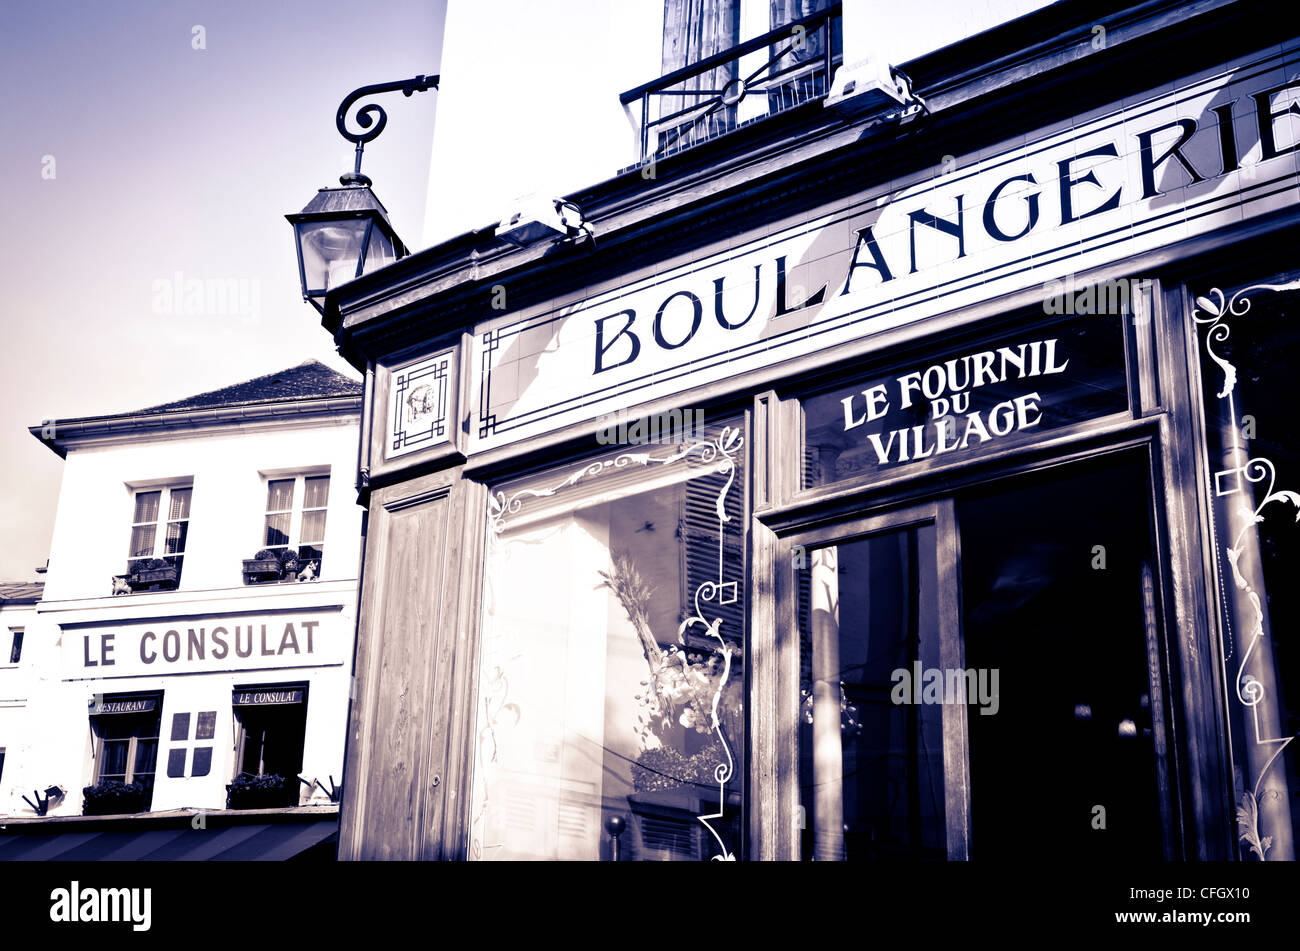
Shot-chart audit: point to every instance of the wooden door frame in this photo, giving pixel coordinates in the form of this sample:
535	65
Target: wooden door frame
940	513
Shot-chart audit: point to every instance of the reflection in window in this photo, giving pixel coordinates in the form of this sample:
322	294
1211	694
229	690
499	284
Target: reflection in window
1249	347
871	784
612	631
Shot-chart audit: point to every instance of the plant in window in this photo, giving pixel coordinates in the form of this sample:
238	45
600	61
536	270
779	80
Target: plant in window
683	685
112	797
259	791
263	566
289	562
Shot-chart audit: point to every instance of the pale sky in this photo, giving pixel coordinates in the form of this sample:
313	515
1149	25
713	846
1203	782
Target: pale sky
132	157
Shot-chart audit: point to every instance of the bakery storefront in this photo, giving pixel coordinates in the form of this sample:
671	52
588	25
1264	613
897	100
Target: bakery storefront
893	491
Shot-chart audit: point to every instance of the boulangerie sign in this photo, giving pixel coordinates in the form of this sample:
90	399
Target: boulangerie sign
1218	148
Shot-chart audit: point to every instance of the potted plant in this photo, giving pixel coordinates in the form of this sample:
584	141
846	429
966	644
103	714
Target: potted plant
259	791
112	797
289	564
264	566
154	572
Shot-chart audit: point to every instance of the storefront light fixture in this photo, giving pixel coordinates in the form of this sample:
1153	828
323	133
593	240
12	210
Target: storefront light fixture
345	232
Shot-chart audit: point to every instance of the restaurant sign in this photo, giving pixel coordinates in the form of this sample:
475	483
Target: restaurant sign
207	643
99	706
1117	181
267	696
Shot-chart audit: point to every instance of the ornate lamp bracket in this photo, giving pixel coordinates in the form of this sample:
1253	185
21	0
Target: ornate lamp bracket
373	114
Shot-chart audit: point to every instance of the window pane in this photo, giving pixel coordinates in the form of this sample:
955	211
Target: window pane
313	526
142	538
146	755
613	629
113	761
146	507
279	495
176	535
317	492
16	651
870	769
277	530
1248	374
180	504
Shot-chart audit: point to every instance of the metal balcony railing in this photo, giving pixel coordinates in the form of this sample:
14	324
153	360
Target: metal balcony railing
762	77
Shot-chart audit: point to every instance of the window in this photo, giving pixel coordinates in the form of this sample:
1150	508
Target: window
159	528
16	648
612	666
1247	368
289	526
2	762
125	728
271	724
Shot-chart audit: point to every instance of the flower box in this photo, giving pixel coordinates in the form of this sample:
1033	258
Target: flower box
113	797
153	575
264	791
262	568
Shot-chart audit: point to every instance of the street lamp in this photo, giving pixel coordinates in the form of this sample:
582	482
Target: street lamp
345	232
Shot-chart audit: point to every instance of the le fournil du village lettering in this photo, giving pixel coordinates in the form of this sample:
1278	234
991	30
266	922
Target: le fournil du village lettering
948	387
620	333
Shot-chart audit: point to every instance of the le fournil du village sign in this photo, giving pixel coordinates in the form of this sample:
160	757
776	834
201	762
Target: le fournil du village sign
1134	176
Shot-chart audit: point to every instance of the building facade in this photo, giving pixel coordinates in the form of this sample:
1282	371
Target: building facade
189	663
895	464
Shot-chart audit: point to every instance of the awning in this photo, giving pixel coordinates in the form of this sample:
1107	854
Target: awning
245	842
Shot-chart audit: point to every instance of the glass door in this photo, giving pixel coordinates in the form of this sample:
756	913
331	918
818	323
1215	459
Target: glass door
881	774
981	677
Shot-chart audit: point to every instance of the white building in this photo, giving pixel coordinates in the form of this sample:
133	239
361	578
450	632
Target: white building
17	611
179	644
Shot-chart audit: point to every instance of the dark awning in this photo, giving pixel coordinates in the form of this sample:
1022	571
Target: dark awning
244	842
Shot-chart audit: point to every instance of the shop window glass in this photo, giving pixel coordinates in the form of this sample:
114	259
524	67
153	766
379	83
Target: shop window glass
613	629
1249	339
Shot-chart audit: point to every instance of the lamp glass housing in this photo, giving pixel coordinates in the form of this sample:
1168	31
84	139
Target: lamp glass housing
342	234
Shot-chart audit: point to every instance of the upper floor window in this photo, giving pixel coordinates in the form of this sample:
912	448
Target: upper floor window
295	518
16	645
159	528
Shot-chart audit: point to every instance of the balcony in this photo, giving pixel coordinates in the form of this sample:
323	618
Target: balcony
763	77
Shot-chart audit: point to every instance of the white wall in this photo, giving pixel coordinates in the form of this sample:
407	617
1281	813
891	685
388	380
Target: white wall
92	529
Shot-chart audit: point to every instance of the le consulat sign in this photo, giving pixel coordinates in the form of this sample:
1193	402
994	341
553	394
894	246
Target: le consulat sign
1152	170
207	643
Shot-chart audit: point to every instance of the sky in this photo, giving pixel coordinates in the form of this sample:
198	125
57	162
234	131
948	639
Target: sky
137	147
152	143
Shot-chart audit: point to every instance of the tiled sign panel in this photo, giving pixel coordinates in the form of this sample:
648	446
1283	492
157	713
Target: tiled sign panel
1181	160
420	407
